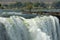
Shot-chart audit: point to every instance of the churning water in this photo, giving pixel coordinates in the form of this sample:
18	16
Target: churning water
38	28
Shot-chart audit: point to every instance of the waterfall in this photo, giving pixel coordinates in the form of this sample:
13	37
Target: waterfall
44	28
38	28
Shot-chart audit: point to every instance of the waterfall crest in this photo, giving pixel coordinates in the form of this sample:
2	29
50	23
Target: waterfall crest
38	28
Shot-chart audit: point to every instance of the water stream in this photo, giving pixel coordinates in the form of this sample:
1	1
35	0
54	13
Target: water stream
38	28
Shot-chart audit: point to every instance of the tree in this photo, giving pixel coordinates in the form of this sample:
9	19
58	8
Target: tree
15	5
42	4
0	5
18	4
5	6
36	4
29	6
56	4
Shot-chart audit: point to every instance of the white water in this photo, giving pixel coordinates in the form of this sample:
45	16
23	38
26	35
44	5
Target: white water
38	28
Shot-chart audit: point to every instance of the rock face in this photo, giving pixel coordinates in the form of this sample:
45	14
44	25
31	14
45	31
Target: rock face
58	17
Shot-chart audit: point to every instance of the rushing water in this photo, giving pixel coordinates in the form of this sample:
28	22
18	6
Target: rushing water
38	28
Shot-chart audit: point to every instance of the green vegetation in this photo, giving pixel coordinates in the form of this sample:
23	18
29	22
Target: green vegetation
56	5
30	5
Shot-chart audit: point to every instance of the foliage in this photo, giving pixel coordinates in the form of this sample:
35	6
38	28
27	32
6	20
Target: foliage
56	4
0	5
43	5
36	4
30	5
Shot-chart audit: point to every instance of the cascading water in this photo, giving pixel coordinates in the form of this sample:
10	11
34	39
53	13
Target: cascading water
38	28
44	28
